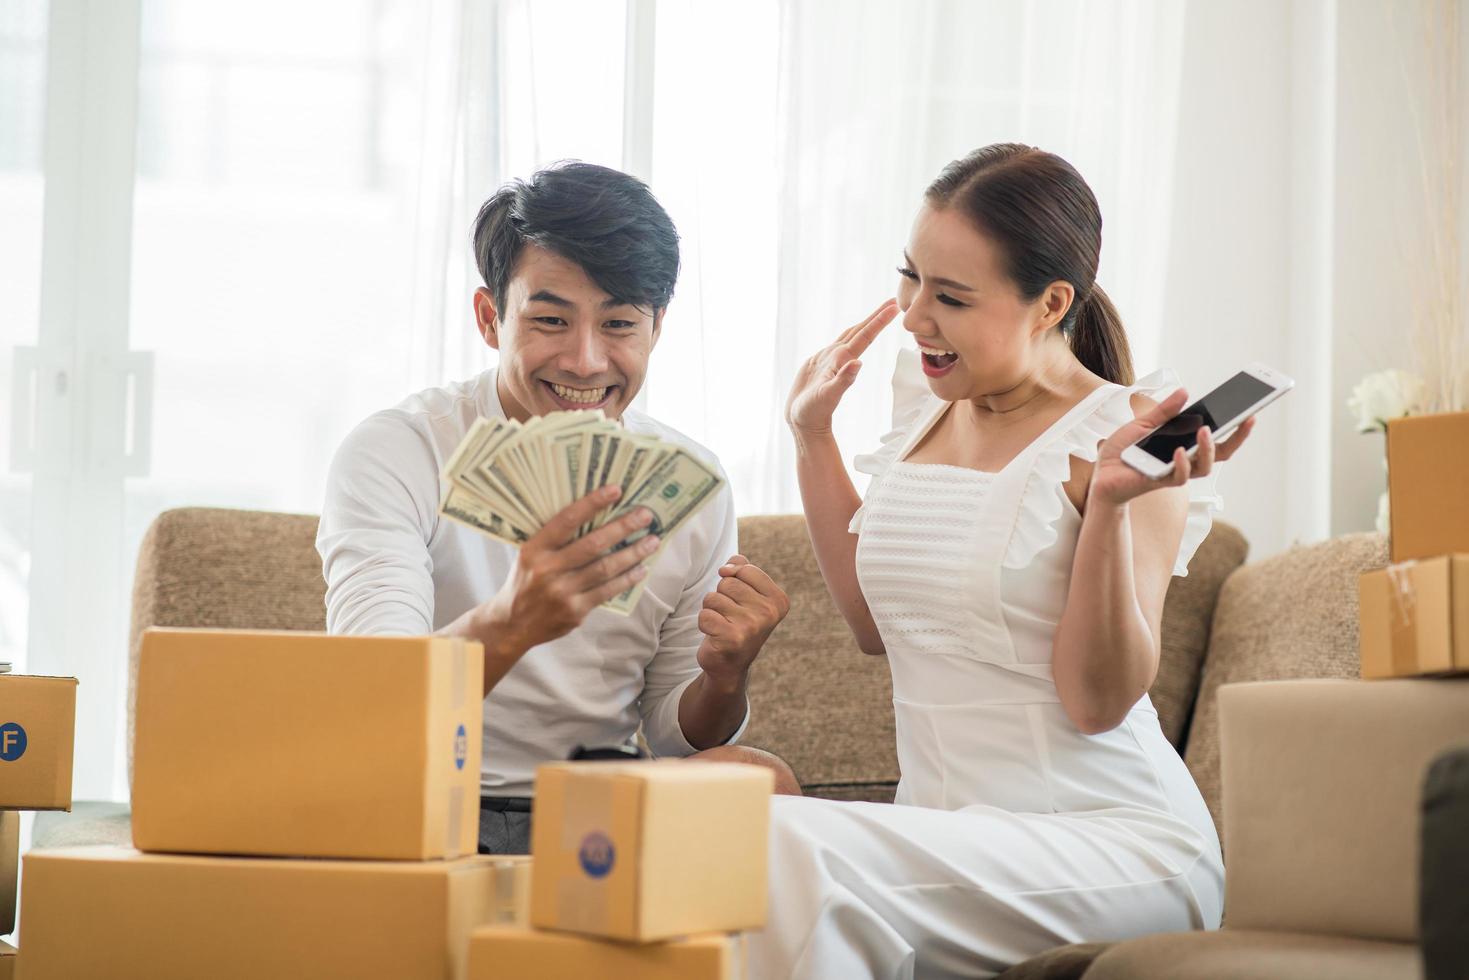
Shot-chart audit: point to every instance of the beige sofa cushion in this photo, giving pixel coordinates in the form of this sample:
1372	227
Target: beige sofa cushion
1188	614
1292	615
1235	954
225	569
1323	785
817	701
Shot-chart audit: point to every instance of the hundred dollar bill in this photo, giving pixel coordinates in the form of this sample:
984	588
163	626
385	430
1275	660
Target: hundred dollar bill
462	506
567	445
464	471
506	479
631	465
674	492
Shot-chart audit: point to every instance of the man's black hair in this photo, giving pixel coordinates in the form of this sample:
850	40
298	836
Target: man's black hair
604	220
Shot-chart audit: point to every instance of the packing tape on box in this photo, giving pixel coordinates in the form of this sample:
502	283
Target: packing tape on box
512	892
456	792
456	823
586	832
457	693
1403	596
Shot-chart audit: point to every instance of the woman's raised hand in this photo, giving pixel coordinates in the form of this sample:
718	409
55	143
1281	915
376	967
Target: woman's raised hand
1113	481
825	377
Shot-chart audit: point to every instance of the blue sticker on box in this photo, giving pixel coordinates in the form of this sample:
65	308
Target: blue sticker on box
597	854
12	742
461	747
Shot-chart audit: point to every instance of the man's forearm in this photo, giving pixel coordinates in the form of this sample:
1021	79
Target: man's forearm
501	650
712	709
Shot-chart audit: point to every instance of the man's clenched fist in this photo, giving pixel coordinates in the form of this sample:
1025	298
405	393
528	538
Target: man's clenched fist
738	617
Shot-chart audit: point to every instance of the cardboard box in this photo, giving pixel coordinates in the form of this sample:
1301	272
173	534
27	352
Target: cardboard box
118	913
300	744
650	850
1428	485
1414	618
8	960
500	953
9	868
37	733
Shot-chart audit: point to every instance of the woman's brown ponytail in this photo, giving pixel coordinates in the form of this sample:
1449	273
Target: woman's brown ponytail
1045	219
1099	341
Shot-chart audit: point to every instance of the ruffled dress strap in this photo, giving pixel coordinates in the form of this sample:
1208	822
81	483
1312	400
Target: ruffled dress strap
1044	497
913	403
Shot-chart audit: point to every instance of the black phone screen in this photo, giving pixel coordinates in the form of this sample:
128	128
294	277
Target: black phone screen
1222	405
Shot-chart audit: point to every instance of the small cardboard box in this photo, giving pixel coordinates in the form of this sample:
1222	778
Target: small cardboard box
37	732
650	850
8	960
305	745
118	913
1414	618
9	868
1428	485
500	953
512	890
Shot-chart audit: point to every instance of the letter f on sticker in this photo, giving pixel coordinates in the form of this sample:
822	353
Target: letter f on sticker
8	740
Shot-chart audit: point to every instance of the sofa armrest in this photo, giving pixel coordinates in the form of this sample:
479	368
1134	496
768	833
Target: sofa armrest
1444	904
1322	789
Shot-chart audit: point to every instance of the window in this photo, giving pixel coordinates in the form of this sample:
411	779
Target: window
22	106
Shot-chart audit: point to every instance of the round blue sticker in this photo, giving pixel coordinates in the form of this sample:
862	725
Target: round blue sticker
12	742
597	854
461	747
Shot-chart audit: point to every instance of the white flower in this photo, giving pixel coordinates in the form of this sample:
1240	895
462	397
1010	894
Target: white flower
1386	395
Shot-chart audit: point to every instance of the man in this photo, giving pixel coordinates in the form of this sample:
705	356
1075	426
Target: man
579	265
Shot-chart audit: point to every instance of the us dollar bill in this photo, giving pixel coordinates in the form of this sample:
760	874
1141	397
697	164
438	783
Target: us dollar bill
676	489
507	479
470	511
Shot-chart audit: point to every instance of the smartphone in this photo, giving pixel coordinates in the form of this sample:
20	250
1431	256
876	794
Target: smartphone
1222	410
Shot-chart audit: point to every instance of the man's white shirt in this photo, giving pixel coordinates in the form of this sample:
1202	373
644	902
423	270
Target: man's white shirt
393	566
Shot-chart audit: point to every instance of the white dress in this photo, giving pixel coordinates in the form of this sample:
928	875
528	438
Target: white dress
1012	831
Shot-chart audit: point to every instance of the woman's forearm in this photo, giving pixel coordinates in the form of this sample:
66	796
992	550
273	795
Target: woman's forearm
1106	651
830	500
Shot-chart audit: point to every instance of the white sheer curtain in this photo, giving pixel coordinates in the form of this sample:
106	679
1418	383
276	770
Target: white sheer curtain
509	86
791	143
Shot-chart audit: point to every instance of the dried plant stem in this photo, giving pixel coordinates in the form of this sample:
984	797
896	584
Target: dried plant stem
1440	334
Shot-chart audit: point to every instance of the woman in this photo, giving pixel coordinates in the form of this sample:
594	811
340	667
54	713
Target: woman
1013	570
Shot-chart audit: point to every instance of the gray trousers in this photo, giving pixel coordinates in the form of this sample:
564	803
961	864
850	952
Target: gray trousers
504	826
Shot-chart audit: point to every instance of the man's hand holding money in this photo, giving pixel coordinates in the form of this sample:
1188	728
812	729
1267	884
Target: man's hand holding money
559	577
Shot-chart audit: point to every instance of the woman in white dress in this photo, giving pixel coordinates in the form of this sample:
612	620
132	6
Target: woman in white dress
1013	570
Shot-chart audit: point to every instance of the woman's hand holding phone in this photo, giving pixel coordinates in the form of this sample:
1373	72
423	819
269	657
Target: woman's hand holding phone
1115	482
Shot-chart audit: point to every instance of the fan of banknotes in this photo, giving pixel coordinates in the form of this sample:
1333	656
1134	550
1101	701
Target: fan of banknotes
508	479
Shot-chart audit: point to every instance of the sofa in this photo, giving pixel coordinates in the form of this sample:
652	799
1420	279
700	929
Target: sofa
1278	636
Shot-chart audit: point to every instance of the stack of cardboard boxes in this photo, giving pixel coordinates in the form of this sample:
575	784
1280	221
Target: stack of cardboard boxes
308	806
1415	613
302	806
640	871
37	732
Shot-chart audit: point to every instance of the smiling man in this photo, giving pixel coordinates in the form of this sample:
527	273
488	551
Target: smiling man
579	265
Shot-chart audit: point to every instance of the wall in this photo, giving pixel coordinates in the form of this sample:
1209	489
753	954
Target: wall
1383	233
1298	239
1227	297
